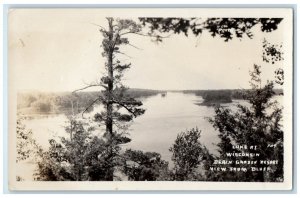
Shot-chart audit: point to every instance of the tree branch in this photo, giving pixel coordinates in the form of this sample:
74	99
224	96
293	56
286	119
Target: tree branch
148	35
85	88
98	26
134	46
123	105
90	105
123	54
105	87
130	32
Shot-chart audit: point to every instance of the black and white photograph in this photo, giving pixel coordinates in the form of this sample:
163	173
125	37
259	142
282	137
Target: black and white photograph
150	99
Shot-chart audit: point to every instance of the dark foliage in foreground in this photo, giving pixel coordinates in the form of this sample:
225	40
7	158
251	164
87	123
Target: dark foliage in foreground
189	156
259	125
80	157
145	166
84	157
27	146
225	28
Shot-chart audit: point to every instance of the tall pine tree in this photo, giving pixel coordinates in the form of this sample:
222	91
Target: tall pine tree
114	96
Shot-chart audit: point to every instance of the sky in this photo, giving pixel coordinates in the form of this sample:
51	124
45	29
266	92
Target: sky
59	50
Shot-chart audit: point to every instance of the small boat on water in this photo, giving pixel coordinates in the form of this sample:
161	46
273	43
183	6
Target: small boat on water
163	94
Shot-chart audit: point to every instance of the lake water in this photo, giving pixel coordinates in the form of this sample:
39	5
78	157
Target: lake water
155	131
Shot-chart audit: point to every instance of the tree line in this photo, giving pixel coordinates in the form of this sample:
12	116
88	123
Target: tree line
64	102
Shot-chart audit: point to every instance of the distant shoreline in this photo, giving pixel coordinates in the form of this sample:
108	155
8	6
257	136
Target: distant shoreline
212	103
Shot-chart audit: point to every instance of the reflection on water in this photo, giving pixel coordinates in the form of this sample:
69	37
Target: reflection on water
165	117
156	130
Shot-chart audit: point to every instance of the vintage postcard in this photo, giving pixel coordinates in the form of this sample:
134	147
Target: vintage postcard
150	99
